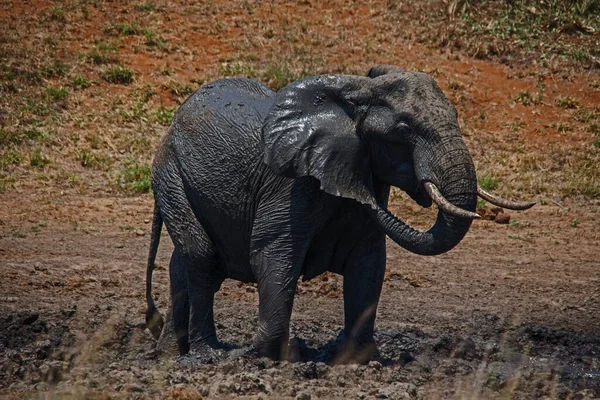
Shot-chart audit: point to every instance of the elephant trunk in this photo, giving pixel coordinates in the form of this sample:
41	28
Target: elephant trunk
454	174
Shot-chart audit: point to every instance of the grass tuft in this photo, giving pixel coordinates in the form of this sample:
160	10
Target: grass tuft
136	177
38	159
146	7
488	182
567	102
164	115
118	75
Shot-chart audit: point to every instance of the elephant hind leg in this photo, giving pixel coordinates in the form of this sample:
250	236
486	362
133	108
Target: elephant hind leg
180	305
195	278
194	273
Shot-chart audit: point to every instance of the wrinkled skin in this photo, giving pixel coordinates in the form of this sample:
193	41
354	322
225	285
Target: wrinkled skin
266	187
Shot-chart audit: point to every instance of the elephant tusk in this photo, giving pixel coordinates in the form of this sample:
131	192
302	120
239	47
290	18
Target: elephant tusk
445	205
499	201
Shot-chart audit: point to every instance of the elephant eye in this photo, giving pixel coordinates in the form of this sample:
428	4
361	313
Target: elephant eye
400	132
402	127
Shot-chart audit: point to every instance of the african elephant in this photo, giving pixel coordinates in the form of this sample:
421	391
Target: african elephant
266	187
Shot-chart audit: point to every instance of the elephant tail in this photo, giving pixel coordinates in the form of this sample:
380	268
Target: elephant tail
154	321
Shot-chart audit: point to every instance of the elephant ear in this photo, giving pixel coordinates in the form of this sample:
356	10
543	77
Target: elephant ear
311	130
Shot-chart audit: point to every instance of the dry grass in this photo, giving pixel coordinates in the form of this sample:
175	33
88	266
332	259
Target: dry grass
90	86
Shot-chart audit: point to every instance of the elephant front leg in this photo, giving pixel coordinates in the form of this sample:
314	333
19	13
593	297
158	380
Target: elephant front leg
363	279
277	281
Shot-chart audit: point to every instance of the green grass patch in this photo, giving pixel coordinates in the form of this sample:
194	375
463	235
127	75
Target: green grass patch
278	77
103	53
10	157
55	68
13	137
231	69
144	94
118	75
147	7
58	14
127	29
164	115
177	88
6	181
136	177
153	38
567	102
38	159
89	159
559	126
55	94
79	82
488	182
527	99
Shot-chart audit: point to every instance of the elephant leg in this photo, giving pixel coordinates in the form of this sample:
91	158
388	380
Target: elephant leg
363	279
276	289
195	277
203	283
179	301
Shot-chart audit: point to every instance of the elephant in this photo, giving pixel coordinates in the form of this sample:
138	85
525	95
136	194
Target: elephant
265	187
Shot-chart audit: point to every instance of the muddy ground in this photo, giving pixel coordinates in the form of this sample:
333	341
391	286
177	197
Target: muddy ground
513	312
510	313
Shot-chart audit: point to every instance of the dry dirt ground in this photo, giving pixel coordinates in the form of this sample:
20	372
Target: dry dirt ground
512	312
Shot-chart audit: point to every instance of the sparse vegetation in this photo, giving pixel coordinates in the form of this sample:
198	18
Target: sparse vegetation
103	53
118	74
488	182
89	159
567	102
528	99
153	38
39	159
57	14
136	177
54	94
164	115
79	82
127	29
146	7
41	82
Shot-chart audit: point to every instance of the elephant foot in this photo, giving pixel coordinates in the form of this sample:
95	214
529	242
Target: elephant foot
247	352
349	351
275	353
205	356
352	352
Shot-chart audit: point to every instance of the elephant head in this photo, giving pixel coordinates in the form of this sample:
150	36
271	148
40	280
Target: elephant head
355	134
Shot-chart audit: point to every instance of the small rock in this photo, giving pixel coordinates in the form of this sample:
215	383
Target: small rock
120	246
134	388
14	356
307	370
466	349
38	266
376	365
68	312
502	217
303	396
146	221
52	372
140	232
30	319
43	349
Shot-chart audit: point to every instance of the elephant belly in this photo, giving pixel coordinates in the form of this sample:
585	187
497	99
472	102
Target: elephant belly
332	245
